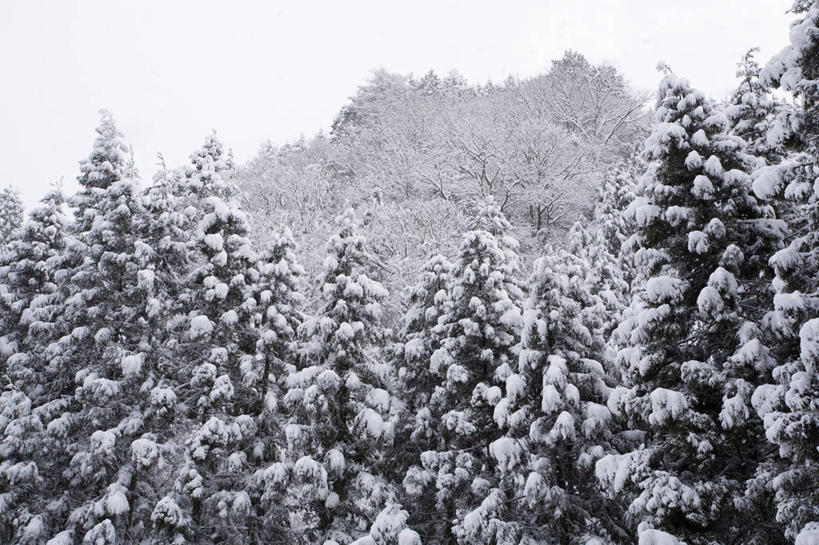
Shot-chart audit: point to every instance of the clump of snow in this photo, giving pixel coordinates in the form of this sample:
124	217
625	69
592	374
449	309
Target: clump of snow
656	537
200	326
666	405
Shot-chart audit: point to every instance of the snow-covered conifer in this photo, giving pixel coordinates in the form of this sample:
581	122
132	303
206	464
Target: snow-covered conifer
30	266
339	403
94	412
11	213
694	353
216	354
557	422
752	110
479	338
789	404
421	337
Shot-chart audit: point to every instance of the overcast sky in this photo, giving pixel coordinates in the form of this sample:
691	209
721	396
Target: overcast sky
171	71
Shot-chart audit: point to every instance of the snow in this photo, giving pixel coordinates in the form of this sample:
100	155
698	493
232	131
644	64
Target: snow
666	405
229	318
457	373
597	417
556	371
664	289
144	452
241	503
675	215
515	385
715	228
699	138
169	513
713	166
34	529
308	469
645	214
809	344
709	301
768	181
132	364
665	132
103	442
200	326
411	537
116	502
379	399
789	302
693	160
809	535
563	429
372	422
345	332
656	537
551	400
414	348
145	279
507	452
335	461
697	242
702	188
214	242
327	379
66	537
735	410
220	290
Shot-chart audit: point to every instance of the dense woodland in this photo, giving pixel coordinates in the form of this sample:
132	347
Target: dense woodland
553	311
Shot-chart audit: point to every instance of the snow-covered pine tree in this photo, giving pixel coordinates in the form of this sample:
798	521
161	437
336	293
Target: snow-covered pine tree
421	337
752	109
416	429
789	404
479	338
205	176
11	213
216	356
280	304
99	358
339	403
604	276
695	355
616	193
556	419
154	387
30	266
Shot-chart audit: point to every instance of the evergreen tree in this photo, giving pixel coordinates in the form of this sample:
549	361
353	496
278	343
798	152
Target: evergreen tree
102	352
695	353
217	345
30	266
789	404
604	276
752	109
616	193
416	383
279	304
557	421
479	338
27	267
339	403
11	213
421	336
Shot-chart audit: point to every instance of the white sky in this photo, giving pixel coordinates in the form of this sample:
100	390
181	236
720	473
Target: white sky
170	71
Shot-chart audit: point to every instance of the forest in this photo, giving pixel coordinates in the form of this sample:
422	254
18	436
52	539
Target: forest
549	311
